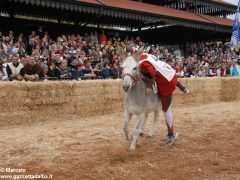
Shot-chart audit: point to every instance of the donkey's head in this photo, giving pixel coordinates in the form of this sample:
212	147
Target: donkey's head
130	74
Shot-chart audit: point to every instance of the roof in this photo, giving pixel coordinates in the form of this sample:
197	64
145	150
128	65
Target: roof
223	2
153	9
221	21
165	11
125	12
90	1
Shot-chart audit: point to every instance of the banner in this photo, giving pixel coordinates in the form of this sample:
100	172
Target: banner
235	39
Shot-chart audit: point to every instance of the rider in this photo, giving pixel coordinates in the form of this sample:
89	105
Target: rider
161	78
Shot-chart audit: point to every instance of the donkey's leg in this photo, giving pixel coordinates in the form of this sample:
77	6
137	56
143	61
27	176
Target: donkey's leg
127	117
144	123
154	125
140	121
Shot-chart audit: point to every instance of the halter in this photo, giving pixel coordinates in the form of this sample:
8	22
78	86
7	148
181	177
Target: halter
134	78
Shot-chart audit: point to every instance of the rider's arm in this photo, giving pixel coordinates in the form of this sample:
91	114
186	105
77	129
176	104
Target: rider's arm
149	72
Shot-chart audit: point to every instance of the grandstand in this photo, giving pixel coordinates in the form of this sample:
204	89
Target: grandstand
193	19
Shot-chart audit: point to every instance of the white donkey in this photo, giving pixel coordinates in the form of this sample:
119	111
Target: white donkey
136	102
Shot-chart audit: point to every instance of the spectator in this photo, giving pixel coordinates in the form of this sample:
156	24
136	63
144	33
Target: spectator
15	70
107	72
97	71
2	53
179	69
229	68
86	38
10	35
15	48
74	66
202	72
116	71
213	70
21	51
23	60
53	71
235	68
93	38
45	56
4	74
1	72
170	62
32	70
222	70
65	72
103	38
44	75
32	35
80	71
83	73
87	69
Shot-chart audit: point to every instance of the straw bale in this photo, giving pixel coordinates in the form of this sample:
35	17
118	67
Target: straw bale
195	97
230	89
28	102
202	91
212	90
100	97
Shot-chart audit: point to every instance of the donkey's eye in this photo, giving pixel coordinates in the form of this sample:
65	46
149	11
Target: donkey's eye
135	69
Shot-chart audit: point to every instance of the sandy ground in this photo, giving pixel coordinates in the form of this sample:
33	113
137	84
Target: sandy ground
95	148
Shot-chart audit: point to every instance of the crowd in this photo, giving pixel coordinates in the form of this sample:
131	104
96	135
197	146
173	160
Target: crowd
38	56
206	59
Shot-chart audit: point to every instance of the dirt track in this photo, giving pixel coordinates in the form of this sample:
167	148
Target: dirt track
95	148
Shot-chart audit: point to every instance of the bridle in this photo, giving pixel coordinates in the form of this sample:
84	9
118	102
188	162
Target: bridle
134	78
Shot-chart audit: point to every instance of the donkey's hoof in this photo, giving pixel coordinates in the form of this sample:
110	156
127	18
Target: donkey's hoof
141	134
132	148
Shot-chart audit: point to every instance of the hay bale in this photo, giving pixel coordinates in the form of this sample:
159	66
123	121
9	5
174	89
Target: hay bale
214	89
195	97
28	102
100	97
230	89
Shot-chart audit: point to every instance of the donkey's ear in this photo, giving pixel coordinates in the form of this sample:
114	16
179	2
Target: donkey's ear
123	52
139	53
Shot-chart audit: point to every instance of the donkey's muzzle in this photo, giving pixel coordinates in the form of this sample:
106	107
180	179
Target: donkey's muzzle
126	87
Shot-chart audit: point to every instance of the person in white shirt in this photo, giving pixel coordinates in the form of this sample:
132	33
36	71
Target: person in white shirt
15	70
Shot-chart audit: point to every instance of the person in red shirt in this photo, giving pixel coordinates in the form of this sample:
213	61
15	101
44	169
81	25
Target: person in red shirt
102	38
160	78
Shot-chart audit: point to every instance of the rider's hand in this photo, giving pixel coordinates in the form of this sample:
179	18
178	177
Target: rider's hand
148	91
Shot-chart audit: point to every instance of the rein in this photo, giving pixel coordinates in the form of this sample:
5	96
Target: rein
134	78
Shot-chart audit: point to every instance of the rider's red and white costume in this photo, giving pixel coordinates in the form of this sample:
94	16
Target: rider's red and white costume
165	78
